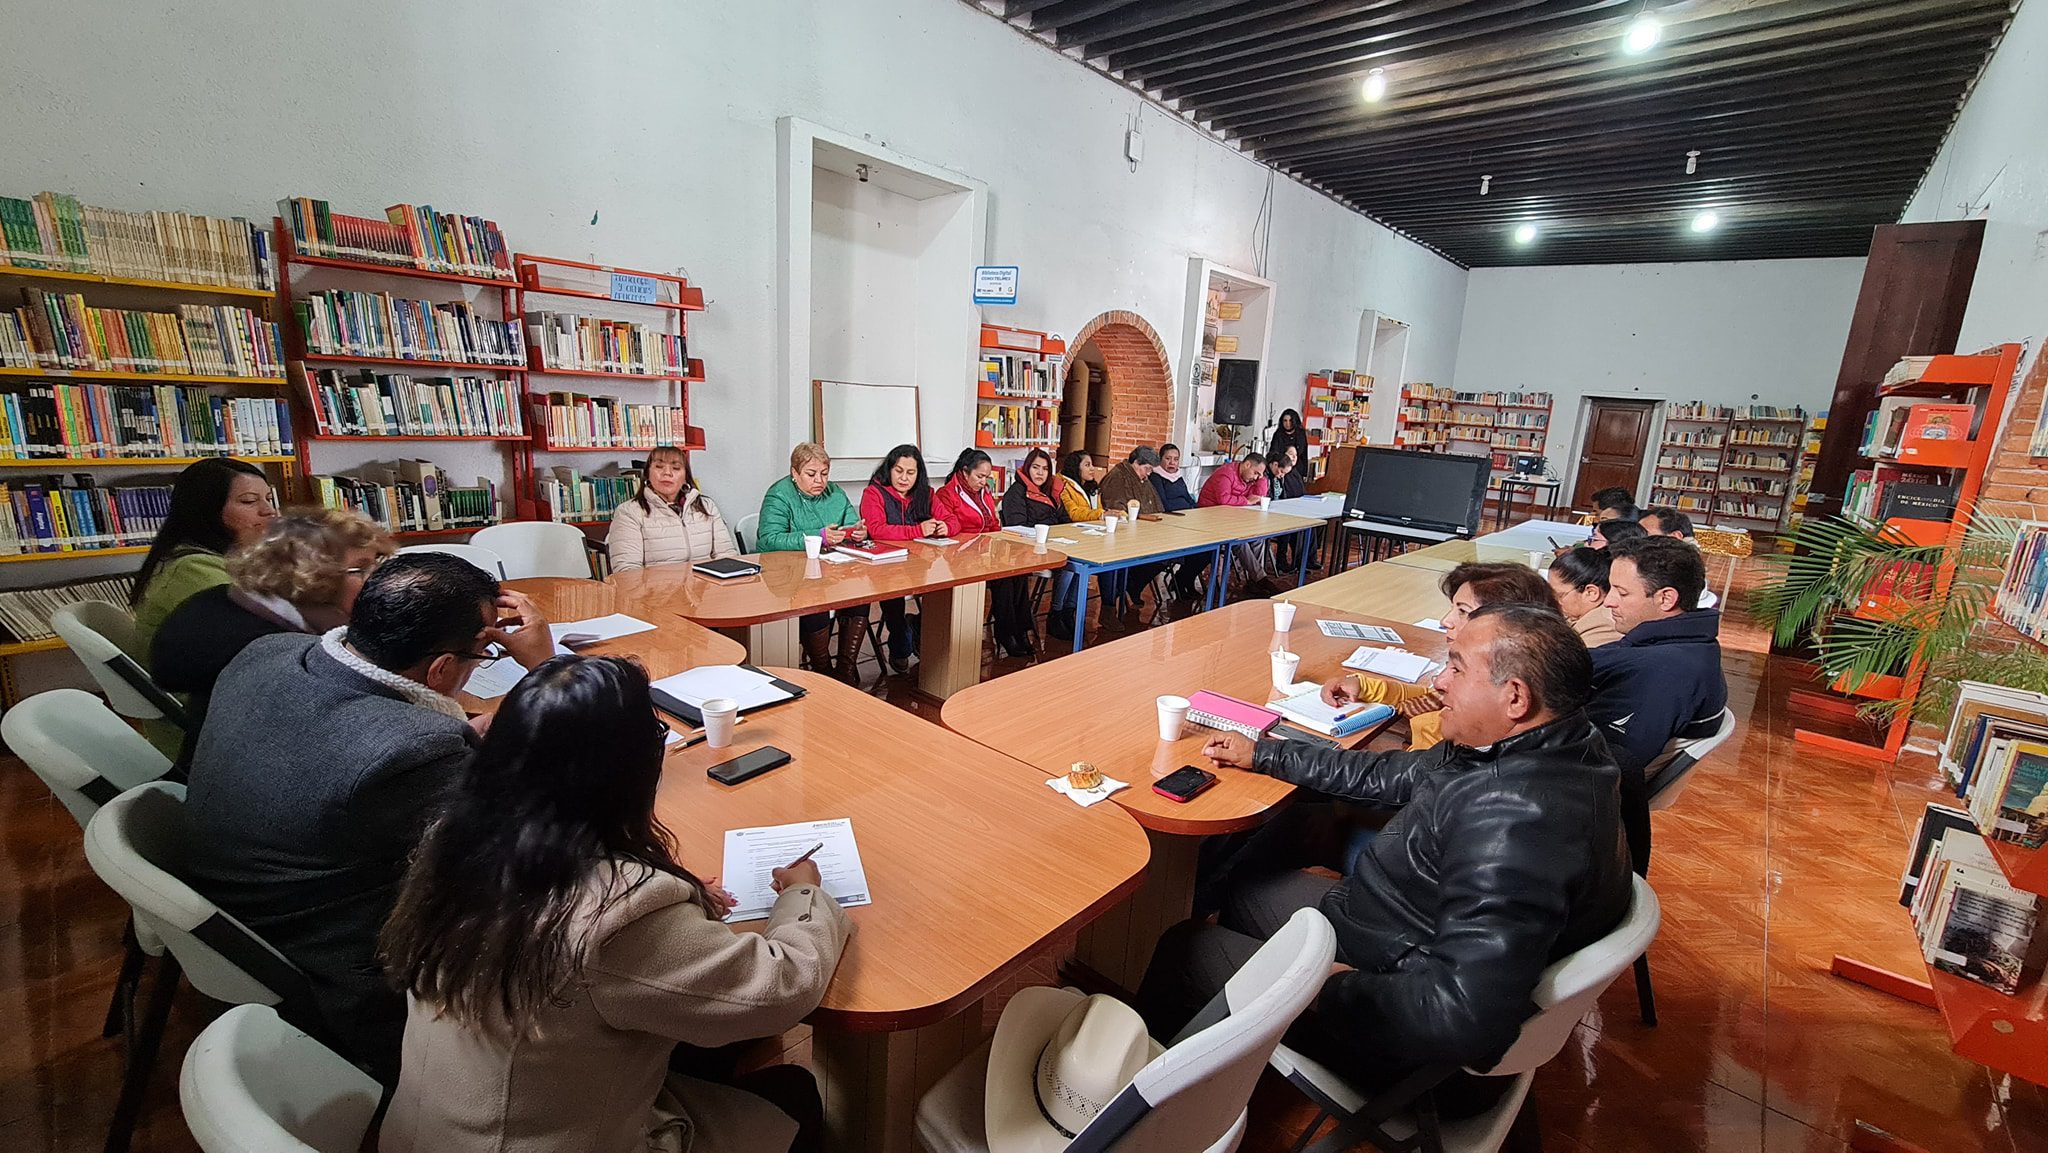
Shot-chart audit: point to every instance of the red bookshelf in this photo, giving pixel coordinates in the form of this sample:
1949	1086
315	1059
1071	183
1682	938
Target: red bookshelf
440	366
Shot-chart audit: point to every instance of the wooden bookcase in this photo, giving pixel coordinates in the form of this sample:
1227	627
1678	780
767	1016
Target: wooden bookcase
1336	405
1501	425
1754	490
1688	465
607	293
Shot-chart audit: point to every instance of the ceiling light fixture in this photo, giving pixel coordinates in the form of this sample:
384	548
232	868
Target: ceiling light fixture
1485	183
1525	234
1706	221
1692	162
1641	35
1375	85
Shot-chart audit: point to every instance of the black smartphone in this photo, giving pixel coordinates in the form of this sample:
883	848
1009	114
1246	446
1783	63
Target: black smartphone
1184	784
747	766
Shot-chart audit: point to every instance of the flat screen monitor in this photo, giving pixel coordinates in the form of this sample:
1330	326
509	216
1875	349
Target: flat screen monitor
1439	491
1531	464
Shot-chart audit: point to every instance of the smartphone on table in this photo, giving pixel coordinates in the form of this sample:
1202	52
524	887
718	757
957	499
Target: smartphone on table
747	766
1184	784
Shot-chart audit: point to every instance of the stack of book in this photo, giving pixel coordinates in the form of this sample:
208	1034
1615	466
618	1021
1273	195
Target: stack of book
54	231
572	495
1014	374
574	420
410	496
413	236
25	613
340	322
59	330
1970	920
1898	493
2023	594
1009	427
76	421
594	344
74	514
365	403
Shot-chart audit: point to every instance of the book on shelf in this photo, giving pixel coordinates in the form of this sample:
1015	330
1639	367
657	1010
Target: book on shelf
85	420
25	613
59	330
413	236
544	275
2022	600
53	231
1938	422
574	495
1012	427
410	496
362	402
568	341
575	420
75	513
1983	712
1769	412
342	322
1922	501
1970	920
1700	413
1016	375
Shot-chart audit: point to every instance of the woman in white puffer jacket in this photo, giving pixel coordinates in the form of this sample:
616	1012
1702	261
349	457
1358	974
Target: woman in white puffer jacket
669	522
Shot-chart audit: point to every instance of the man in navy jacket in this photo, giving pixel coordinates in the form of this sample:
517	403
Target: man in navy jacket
1662	679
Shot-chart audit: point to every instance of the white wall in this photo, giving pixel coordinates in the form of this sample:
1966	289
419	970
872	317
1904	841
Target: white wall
1994	164
1730	332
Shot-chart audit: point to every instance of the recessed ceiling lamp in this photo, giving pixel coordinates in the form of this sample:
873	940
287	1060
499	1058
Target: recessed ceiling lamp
1525	233
1375	85
1706	221
1641	35
1485	184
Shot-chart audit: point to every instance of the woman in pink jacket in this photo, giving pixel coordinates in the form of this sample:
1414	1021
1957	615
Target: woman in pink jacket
964	501
898	506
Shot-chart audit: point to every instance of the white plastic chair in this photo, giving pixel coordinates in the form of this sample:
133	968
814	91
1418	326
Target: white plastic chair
744	531
1668	775
103	636
1564	995
136	845
253	1084
535	548
1708	600
1192	1096
482	558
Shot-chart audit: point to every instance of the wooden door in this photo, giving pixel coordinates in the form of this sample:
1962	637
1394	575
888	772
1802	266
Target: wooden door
1616	446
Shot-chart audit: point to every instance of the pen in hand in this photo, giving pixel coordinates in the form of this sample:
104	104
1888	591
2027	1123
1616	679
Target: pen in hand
807	856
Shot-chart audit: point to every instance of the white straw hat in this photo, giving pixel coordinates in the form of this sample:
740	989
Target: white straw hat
1057	1061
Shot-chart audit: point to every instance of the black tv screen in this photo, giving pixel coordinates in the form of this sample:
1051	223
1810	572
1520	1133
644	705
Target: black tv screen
1429	490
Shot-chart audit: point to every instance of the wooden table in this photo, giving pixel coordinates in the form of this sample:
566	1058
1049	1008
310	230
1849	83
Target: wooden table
1106	702
950	578
1091	555
1383	589
1452	553
1248	525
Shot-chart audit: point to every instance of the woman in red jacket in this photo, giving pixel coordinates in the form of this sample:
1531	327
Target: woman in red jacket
898	506
963	502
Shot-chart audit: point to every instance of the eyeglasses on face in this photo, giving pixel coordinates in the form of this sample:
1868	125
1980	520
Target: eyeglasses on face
491	654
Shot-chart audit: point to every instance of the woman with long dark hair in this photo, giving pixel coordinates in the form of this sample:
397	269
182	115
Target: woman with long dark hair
963	502
897	505
1036	498
669	521
217	506
551	943
1289	434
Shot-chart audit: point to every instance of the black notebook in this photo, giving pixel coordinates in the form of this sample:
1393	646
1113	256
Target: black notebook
689	714
726	568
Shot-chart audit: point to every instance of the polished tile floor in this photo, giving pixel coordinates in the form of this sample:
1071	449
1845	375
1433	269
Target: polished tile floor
1777	858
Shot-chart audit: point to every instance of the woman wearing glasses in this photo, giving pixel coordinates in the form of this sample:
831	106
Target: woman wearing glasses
301	577
556	954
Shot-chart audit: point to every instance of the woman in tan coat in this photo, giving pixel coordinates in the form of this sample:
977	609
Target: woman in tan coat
554	952
669	522
1579	578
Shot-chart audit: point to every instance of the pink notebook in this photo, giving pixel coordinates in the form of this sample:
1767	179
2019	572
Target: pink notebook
1216	711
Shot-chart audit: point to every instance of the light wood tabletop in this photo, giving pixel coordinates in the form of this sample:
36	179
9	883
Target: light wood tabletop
1245	523
1452	553
1397	592
1168	534
1100	705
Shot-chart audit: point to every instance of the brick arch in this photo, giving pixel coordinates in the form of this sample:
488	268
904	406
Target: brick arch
1140	381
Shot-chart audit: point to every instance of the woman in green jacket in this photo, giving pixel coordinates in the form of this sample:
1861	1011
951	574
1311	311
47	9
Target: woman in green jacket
807	503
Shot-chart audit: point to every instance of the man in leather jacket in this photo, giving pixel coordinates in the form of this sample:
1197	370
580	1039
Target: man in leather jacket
1506	854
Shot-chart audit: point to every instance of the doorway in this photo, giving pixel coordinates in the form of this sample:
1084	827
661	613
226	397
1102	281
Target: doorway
1119	393
1613	448
1085	409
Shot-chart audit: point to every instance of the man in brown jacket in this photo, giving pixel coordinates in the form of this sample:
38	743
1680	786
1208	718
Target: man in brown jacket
1130	481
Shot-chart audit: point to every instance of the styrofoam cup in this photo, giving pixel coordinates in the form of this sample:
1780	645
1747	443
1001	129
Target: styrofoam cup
1173	717
720	714
1265	503
1283	616
1109	523
1044	531
1131	511
814	547
1284	664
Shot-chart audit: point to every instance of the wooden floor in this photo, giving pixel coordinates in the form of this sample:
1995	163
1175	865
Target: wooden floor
1777	858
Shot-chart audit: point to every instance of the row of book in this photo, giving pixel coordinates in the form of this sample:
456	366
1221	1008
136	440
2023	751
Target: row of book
1900	420
1769	412
1752	484
1515	399
54	231
128	420
1699	438
342	322
1521	418
1700	412
60	330
1750	509
1013	374
410	496
1669	482
1694	463
1012	426
1516	440
1765	439
2023	593
1970	920
413	236
1912	495
1996	753
575	420
574	495
25	613
1759	461
74	514
359	402
596	344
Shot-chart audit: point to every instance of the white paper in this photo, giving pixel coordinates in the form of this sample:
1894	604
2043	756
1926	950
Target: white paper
494	680
752	854
1430	623
1307	709
1024	530
745	686
1350	630
605	628
1394	664
1086	797
836	558
937	540
1063	540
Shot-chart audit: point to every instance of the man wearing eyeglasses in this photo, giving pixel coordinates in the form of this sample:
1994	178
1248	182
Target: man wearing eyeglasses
319	765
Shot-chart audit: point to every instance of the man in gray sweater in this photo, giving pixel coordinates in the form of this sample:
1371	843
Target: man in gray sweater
320	763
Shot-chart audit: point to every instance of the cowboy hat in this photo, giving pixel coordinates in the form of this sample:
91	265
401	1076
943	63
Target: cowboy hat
1057	1060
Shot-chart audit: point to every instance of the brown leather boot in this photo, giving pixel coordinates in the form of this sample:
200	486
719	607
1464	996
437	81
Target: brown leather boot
852	631
818	649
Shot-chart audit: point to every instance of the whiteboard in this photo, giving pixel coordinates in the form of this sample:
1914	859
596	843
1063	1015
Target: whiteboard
862	422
